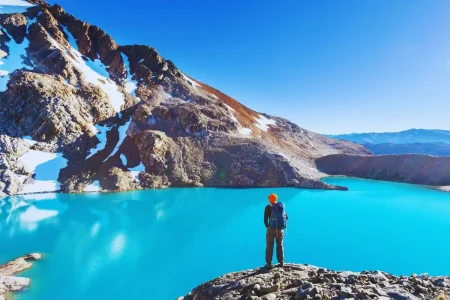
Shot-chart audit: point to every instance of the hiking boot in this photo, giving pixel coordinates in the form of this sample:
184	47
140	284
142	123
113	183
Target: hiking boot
268	266
281	265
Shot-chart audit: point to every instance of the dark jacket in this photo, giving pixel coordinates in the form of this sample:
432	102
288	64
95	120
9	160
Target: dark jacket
267	214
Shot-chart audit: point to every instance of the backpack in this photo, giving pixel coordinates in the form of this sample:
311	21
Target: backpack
278	217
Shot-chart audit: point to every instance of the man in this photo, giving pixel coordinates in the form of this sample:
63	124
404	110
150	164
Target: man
275	219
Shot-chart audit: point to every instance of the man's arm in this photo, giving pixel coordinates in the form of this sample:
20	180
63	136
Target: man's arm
266	216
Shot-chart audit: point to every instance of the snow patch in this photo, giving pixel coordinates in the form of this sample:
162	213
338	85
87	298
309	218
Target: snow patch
41	186
284	156
21	177
29	140
230	108
136	170
233	117
190	81
116	98
101	136
13	61
93	187
122	135
241	130
263	123
15	2
98	67
130	84
93	129
214	96
13	6
244	131
34	158
46	167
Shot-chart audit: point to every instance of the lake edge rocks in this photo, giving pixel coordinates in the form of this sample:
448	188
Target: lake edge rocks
406	168
295	281
9	282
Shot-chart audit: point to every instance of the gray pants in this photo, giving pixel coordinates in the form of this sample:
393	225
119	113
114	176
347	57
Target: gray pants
271	235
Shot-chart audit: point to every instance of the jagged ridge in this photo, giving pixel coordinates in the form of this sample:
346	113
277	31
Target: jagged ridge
118	117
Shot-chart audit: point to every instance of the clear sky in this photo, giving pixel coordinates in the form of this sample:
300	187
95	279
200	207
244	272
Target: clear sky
330	66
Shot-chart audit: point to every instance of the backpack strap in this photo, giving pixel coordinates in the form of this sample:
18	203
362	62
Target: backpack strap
276	219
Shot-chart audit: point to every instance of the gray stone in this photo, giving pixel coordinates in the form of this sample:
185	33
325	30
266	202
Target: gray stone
271	289
399	295
346	292
269	297
305	291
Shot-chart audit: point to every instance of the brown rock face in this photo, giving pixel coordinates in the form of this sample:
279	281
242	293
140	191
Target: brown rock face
409	168
15	25
45	108
126	117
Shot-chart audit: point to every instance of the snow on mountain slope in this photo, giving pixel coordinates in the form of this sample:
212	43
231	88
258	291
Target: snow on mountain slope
13	6
125	118
45	168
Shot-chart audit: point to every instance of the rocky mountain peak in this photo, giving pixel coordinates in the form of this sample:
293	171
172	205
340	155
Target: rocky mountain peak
117	117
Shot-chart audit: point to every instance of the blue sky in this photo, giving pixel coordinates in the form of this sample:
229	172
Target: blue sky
329	66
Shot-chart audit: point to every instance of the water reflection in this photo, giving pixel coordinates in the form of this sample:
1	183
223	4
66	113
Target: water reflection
144	239
25	213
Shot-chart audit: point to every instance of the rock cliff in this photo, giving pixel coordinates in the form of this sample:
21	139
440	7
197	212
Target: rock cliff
309	282
408	168
80	112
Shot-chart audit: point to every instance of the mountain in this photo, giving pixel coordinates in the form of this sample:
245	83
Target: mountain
403	137
81	113
436	149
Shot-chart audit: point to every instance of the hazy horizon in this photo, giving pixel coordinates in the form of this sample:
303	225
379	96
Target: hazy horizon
332	68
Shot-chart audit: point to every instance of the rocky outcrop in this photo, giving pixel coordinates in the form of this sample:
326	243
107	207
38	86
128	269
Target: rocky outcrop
128	118
10	283
408	168
309	282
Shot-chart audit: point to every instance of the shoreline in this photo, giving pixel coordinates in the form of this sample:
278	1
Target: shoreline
339	188
10	283
441	188
296	281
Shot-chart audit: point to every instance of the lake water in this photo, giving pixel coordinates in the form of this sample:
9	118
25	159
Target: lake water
159	244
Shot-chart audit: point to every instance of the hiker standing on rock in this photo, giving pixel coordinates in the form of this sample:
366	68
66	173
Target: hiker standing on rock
275	219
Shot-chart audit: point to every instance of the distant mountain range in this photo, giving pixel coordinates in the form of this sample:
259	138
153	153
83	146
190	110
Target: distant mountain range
417	141
437	149
410	136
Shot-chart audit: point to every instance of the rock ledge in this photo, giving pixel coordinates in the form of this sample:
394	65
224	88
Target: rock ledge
10	283
309	282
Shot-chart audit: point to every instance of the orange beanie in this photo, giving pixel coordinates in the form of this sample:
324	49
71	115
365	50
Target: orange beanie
273	198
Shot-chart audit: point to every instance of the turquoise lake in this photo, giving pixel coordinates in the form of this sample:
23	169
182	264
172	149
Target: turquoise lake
160	244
